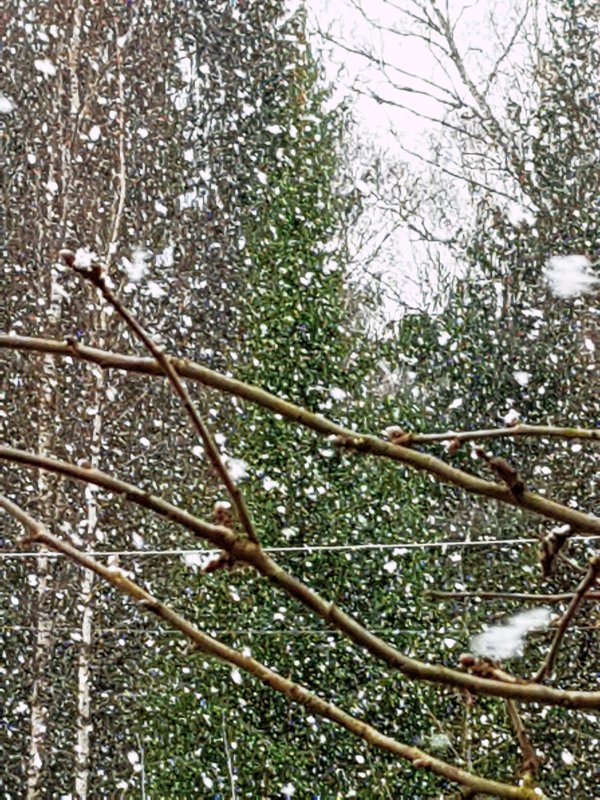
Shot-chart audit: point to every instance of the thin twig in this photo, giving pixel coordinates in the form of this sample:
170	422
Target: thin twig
520	596
497	433
587	583
229	758
293	691
96	276
244	551
529	761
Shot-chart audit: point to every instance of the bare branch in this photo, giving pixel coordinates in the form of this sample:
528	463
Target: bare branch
248	552
96	275
505	52
550	431
294	692
381	62
465	178
529	761
586	584
365	443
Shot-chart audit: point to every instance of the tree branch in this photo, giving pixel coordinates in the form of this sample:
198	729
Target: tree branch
250	553
294	692
96	275
521	429
529	760
587	583
529	501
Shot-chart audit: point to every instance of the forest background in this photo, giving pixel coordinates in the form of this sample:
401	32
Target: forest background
198	154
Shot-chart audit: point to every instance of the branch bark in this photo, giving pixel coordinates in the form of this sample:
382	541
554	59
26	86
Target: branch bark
96	276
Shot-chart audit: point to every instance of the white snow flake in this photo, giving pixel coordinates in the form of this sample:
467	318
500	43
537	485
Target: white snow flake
45	66
567	757
194	560
6	104
137	540
84	257
238	469
166	258
155	289
522	377
570	276
136	267
236	676
511	418
506	641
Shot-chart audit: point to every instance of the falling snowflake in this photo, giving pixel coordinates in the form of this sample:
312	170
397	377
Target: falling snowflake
511	418
506	641
137	266
84	257
155	289
45	66
238	469
194	559
236	676
570	276
6	104
522	377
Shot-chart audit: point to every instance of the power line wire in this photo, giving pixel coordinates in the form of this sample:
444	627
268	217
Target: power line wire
306	549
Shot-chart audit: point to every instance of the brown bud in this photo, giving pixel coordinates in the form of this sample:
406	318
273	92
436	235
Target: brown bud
68	256
453	446
222	514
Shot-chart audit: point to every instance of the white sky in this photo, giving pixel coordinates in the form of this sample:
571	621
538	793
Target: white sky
344	22
479	37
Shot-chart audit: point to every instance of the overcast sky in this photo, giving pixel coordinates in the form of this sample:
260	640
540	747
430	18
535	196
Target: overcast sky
482	29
